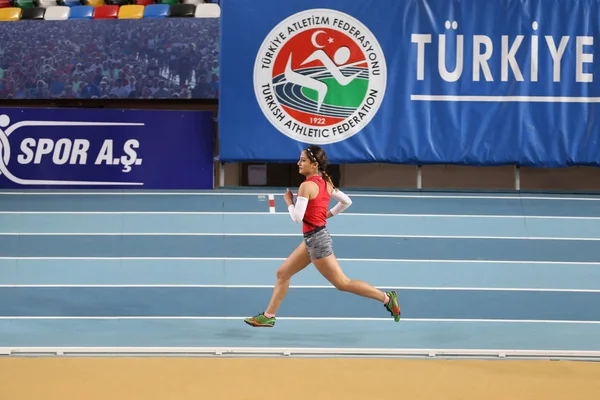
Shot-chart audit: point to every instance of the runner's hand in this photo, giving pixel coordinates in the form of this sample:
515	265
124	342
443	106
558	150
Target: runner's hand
288	197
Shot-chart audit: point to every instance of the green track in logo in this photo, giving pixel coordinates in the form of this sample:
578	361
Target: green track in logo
351	95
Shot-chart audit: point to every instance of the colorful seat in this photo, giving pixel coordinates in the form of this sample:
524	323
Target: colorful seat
208	11
131	11
69	3
106	12
156	11
182	10
10	13
81	12
57	13
46	3
33	13
23	3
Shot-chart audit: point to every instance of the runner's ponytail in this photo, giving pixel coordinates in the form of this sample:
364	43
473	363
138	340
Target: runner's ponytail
318	155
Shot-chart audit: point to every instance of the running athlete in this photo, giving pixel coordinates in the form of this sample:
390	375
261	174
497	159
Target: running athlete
311	209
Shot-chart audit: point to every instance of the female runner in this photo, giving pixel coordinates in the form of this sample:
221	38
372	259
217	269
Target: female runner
311	209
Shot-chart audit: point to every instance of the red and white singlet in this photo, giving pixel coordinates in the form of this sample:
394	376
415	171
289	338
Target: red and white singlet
316	209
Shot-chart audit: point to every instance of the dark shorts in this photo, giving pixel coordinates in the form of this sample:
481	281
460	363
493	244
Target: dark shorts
318	243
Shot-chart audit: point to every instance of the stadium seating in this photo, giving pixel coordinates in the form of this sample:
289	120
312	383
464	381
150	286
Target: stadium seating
56	10
134	57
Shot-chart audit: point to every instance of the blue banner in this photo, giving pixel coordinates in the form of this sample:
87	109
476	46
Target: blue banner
421	82
101	148
164	58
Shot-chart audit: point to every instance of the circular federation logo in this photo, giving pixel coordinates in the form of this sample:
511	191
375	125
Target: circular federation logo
320	76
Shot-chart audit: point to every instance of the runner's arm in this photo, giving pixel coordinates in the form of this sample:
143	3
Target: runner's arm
343	203
297	210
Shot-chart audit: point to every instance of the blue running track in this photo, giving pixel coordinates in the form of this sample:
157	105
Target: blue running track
477	274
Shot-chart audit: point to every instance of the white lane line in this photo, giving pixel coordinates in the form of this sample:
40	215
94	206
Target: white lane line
283	234
349	193
360	260
433	288
137	213
272	211
474	353
356	319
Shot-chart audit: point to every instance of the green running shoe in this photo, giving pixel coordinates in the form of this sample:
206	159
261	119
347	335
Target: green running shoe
393	306
260	321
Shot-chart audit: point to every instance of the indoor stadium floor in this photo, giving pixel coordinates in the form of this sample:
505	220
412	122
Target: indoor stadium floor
174	273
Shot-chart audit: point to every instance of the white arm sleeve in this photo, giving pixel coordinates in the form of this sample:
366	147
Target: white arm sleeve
297	211
343	202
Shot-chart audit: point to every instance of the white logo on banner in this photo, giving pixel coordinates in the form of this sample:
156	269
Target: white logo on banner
320	76
63	151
